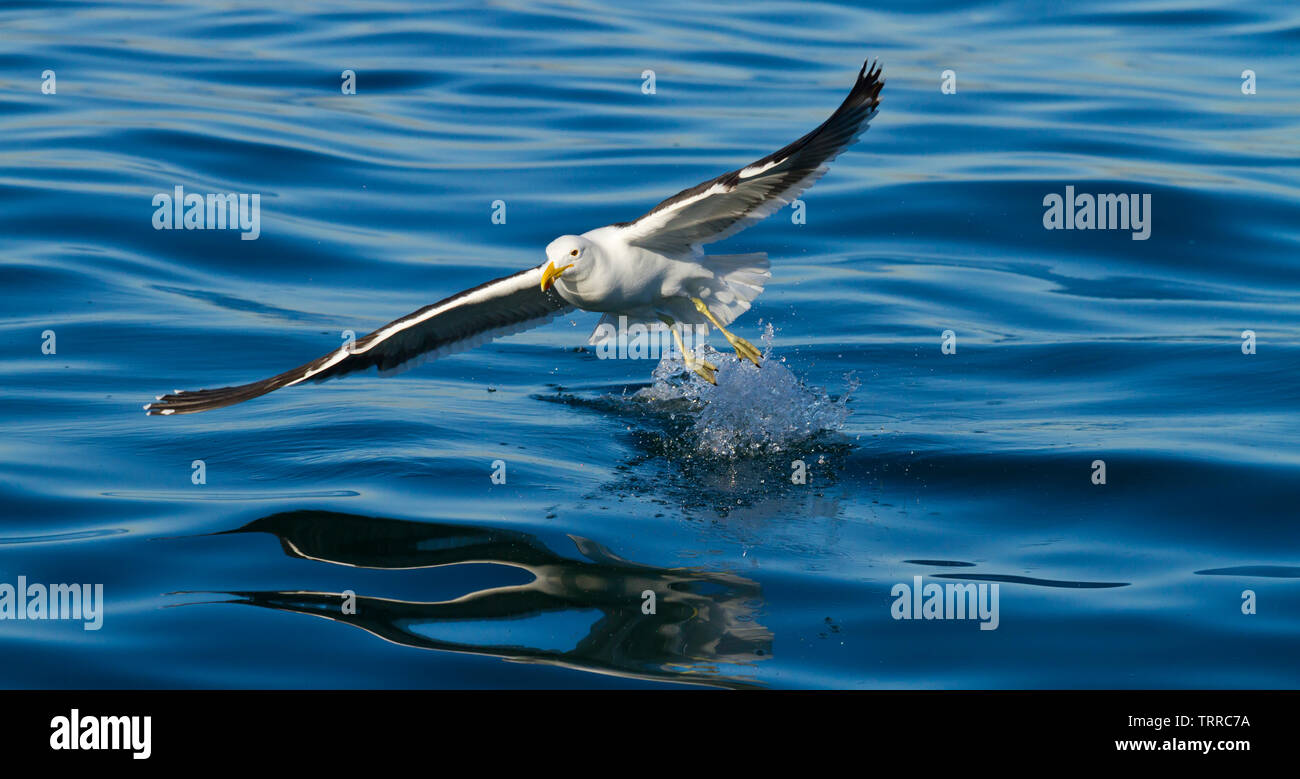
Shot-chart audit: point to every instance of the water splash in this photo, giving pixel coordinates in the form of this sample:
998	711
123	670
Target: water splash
751	411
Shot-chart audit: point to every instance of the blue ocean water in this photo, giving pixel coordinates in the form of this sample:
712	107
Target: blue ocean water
1070	347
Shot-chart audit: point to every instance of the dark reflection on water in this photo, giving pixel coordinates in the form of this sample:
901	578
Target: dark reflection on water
1266	571
702	630
1030	580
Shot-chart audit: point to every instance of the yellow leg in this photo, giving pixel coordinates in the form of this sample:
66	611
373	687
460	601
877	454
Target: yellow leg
744	349
703	367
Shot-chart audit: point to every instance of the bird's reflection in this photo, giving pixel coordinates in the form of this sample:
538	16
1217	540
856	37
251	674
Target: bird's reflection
701	628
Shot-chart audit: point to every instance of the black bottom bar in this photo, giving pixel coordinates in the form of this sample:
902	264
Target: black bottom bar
306	728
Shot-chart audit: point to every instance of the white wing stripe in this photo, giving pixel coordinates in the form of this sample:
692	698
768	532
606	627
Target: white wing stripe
500	307
721	207
531	277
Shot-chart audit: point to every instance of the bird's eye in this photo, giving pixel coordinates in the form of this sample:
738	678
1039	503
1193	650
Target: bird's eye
573	253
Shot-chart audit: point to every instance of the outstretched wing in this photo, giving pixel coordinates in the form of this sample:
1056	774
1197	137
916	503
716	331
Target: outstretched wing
733	201
508	305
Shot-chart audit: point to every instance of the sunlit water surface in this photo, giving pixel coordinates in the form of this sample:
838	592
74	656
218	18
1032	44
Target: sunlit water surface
623	477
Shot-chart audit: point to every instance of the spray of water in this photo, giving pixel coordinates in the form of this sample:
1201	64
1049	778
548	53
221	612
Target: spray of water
751	411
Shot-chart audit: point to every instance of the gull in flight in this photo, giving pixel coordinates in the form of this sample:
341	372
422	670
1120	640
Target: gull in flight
651	271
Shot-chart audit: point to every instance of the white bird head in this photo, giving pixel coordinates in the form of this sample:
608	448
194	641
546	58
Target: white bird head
565	252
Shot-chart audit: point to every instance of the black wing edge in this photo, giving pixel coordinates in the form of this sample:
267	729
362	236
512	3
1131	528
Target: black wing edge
190	402
822	143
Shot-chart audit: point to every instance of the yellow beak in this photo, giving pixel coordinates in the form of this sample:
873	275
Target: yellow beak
550	274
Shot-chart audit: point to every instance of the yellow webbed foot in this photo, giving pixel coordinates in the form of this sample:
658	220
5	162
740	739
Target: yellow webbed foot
703	367
744	349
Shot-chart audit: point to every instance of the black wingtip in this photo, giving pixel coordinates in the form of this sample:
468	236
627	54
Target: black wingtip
869	82
192	402
861	102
